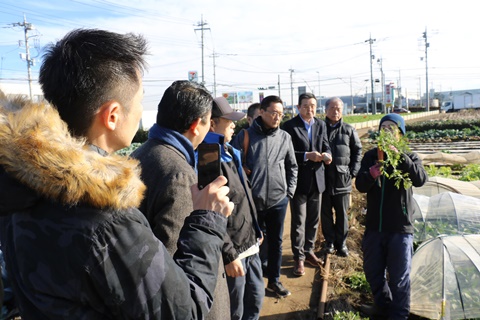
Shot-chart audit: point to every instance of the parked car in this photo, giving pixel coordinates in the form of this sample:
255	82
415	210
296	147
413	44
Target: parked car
401	110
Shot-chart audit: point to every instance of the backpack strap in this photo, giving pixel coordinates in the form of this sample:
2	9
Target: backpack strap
246	144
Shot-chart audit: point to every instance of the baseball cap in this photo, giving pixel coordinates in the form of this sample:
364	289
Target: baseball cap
222	109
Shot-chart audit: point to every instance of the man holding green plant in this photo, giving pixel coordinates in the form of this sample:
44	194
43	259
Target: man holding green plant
387	174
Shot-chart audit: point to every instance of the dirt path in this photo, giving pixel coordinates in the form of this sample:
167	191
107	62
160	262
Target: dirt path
303	302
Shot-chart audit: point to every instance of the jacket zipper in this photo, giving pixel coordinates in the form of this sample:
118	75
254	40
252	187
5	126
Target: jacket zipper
381	205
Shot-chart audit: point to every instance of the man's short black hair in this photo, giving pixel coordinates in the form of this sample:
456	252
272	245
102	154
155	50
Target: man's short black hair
88	68
306	95
252	108
268	100
182	103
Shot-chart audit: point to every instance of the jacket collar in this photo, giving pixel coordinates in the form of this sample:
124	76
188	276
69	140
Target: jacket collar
175	139
259	126
37	150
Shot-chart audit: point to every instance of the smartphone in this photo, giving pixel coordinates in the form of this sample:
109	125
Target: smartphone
208	166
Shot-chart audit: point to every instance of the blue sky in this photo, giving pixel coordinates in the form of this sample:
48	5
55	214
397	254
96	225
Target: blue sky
255	43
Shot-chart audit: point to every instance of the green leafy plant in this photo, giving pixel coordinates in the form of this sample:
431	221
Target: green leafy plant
394	145
357	281
346	315
470	172
434	171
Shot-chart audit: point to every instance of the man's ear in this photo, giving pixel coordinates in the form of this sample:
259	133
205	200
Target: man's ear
194	127
110	114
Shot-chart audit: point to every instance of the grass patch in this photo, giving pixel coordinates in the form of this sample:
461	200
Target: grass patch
362	118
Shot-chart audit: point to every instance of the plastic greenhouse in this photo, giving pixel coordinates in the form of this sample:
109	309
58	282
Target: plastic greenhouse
446	278
436	185
446	213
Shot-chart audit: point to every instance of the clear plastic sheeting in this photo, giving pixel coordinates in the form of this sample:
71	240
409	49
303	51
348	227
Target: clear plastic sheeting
436	185
446	213
445	278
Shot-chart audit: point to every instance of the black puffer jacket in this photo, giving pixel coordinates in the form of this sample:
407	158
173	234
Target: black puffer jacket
346	151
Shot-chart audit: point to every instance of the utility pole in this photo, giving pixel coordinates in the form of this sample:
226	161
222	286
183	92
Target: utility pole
27	27
319	94
291	86
420	90
374	107
351	94
214	76
215	55
399	88
202	28
279	86
426	69
382	80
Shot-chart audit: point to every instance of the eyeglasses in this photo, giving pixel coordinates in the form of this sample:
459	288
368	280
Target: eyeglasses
275	114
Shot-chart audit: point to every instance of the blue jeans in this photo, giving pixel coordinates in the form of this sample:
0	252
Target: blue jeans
247	292
273	218
389	252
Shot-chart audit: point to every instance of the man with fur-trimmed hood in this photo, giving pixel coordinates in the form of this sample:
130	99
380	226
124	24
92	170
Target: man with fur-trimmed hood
74	244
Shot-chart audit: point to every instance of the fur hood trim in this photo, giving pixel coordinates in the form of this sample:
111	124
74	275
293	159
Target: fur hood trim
37	149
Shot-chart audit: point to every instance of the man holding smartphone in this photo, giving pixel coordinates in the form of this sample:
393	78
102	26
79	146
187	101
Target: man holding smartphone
242	242
168	169
75	245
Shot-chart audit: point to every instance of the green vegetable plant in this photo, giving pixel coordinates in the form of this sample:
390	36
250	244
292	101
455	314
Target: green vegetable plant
357	281
394	145
344	315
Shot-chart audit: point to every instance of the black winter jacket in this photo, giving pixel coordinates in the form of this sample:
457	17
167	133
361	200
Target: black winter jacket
242	229
346	151
389	209
75	246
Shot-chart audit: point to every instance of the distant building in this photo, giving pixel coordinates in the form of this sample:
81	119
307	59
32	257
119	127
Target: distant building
22	88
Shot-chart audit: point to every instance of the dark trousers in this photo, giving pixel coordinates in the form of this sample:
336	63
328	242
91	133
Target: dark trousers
305	211
389	252
335	232
247	292
273	219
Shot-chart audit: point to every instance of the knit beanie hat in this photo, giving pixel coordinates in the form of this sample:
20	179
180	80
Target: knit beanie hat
396	118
